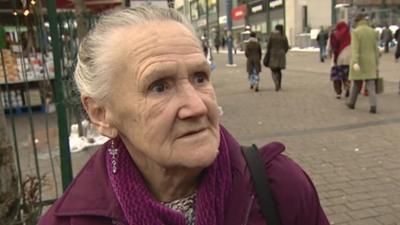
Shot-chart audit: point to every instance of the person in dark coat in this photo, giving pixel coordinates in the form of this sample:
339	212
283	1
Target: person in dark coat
168	160
217	43
253	55
322	39
397	53
386	38
277	48
204	45
397	38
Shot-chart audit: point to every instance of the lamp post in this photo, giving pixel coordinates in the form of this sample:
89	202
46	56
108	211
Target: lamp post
384	15
229	33
268	17
333	11
208	29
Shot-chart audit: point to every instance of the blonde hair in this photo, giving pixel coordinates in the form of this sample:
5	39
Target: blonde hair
92	77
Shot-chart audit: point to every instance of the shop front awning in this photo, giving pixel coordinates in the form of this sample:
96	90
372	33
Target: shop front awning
93	5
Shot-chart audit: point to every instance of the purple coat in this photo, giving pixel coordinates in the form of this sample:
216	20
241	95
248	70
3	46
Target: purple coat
91	200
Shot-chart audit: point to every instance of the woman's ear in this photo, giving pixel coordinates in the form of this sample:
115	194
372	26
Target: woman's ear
98	116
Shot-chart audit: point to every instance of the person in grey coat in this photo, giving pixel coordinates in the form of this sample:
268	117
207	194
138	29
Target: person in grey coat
253	55
277	48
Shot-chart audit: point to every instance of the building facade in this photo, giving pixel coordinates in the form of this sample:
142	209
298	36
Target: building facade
301	18
380	12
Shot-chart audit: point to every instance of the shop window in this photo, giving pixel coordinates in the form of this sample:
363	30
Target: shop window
212	6
202	7
264	27
194	13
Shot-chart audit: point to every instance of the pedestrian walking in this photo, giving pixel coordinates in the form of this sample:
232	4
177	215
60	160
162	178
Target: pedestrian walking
253	55
339	43
397	38
168	159
204	45
397	53
275	57
236	45
217	43
322	39
364	61
386	38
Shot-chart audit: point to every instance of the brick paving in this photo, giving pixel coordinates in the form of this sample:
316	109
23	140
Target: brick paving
352	156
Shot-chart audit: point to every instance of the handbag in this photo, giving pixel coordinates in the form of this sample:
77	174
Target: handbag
379	87
334	74
339	72
261	185
266	59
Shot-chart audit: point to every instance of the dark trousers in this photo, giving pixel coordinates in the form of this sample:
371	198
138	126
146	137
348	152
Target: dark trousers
338	84
322	52
277	77
387	46
217	48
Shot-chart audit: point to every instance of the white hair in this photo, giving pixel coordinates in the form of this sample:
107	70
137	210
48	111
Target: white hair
92	75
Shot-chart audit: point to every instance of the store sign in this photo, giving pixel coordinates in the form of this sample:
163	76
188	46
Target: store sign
136	3
222	19
368	2
239	12
179	3
257	8
275	3
392	2
194	12
344	1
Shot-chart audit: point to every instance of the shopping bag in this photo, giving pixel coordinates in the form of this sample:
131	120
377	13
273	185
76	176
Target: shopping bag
335	73
379	87
266	59
339	72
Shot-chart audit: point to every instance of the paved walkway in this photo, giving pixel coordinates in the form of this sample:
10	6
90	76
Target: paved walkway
352	156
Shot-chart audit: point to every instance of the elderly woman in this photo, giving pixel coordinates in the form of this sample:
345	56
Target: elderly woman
145	83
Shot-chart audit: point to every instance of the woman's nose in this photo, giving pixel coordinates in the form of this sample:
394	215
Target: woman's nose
193	104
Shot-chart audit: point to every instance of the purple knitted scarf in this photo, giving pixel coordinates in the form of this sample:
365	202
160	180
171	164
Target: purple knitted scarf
140	207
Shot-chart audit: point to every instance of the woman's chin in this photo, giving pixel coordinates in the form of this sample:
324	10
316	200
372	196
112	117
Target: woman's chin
199	157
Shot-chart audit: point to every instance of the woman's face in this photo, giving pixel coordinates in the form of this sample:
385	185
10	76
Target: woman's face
162	102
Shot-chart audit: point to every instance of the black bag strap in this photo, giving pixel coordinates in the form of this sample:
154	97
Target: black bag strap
261	184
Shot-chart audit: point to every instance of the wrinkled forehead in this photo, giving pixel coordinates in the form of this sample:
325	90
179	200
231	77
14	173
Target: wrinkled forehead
138	48
139	45
136	39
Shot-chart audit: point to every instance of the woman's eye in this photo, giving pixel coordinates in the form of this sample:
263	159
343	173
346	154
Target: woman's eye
159	87
200	78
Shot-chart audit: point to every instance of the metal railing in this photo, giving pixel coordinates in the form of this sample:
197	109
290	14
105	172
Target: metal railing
56	45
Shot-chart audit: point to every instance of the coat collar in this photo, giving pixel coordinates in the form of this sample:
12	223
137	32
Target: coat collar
253	39
90	194
362	23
